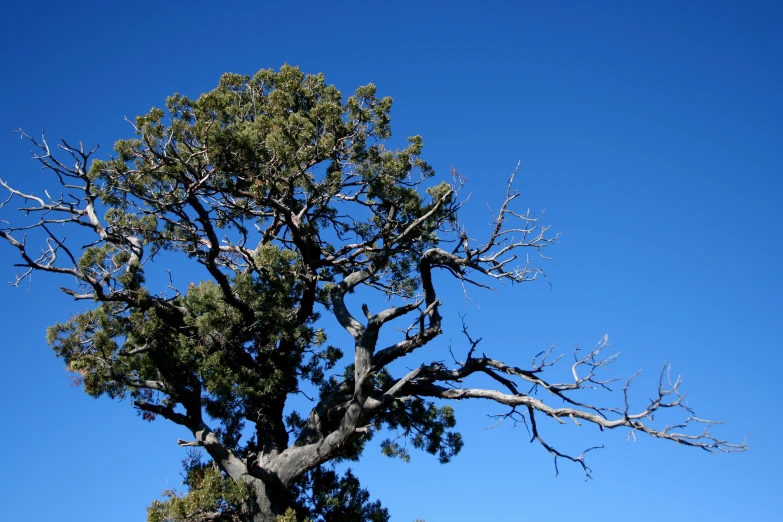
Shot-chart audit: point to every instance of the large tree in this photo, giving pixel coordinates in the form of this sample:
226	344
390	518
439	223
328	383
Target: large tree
286	195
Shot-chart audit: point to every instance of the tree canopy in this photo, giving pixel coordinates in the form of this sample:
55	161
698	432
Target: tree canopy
287	195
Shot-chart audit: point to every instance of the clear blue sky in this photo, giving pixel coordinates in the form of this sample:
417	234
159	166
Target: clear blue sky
652	132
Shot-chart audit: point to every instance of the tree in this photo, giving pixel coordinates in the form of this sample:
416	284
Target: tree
288	198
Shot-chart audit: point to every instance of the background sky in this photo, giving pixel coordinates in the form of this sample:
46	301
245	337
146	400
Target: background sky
652	134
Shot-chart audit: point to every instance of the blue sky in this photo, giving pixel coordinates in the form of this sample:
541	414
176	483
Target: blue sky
652	133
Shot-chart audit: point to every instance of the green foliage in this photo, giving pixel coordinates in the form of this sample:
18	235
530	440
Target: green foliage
259	135
292	172
424	425
210	492
324	496
290	516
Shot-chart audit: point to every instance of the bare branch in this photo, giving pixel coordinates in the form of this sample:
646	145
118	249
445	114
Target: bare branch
423	381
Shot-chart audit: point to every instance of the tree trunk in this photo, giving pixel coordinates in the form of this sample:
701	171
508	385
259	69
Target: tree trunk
262	506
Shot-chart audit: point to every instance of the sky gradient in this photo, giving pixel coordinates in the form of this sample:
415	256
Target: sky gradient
651	133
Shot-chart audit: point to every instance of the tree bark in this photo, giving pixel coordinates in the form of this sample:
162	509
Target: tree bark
262	507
